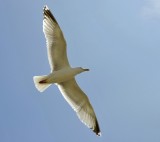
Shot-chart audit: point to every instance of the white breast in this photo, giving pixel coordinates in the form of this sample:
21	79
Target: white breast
62	75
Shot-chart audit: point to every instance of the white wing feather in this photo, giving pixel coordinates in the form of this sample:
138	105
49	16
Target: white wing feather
80	103
56	44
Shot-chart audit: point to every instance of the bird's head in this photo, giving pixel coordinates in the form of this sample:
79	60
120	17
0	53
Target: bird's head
79	70
83	69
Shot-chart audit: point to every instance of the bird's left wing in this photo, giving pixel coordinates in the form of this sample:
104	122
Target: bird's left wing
80	103
56	44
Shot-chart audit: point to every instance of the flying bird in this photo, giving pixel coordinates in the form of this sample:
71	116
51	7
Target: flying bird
63	75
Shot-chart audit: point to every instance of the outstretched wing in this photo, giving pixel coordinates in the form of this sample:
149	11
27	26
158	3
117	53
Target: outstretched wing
56	44
80	103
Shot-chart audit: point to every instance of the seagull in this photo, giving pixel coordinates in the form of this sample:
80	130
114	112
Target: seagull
63	75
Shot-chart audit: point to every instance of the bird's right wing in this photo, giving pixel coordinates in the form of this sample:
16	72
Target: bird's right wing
56	44
80	103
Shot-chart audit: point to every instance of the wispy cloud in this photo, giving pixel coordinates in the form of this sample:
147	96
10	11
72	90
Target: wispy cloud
151	9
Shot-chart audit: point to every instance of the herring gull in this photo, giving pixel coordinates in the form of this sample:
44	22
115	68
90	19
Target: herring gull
63	75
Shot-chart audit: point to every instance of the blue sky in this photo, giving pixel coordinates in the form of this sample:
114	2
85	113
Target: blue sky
117	40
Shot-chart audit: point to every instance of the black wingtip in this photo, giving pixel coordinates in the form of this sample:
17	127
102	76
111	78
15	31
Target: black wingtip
47	13
97	129
45	7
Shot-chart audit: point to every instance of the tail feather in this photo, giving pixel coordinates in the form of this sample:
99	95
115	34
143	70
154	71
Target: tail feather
40	83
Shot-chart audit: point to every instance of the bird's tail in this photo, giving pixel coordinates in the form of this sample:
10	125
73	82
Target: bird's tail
40	82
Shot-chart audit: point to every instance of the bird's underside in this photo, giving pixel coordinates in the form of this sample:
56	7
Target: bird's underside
57	56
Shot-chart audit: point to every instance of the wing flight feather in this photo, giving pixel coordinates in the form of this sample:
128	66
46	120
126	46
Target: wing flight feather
80	103
55	41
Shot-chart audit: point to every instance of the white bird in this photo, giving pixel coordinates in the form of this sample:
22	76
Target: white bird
63	75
